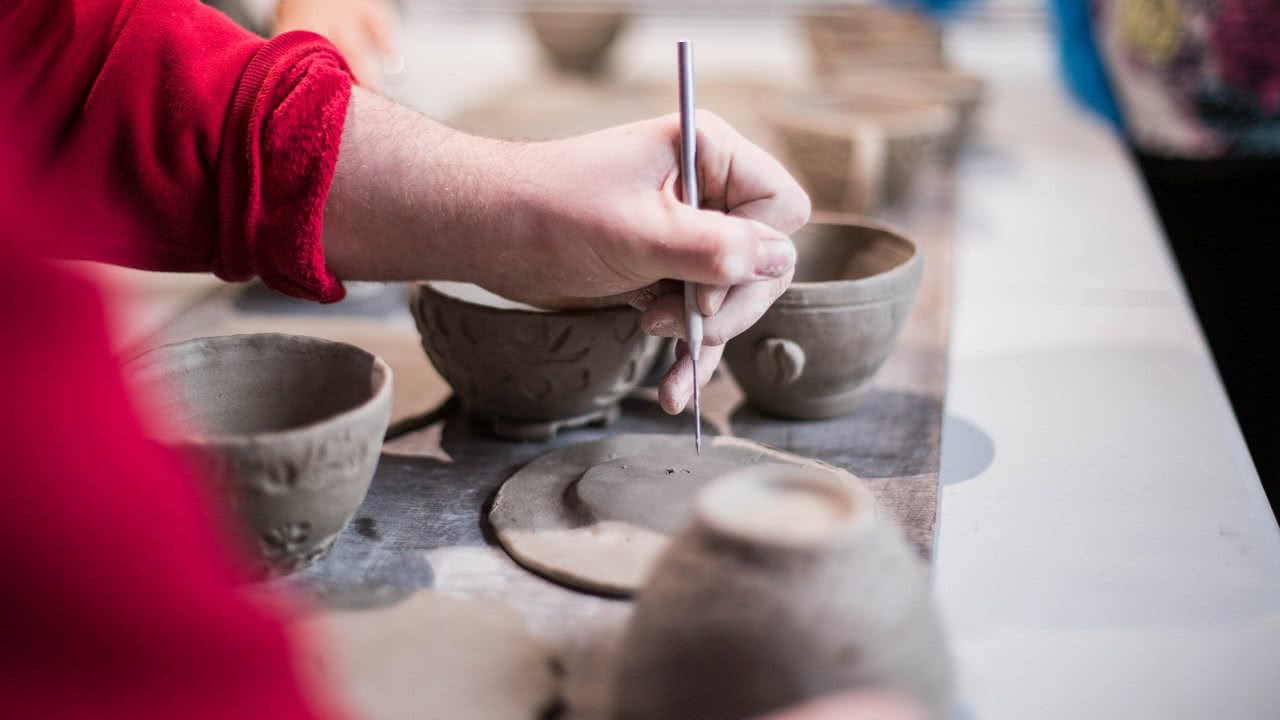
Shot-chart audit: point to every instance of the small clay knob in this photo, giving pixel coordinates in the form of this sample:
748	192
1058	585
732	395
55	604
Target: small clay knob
779	361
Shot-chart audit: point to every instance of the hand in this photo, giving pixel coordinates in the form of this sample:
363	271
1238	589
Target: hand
859	705
362	30
584	221
612	228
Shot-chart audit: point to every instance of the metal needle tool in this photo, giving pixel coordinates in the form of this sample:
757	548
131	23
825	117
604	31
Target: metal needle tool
689	175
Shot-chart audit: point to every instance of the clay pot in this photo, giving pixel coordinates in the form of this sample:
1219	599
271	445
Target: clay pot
848	40
531	372
854	153
288	427
785	586
576	42
960	91
813	354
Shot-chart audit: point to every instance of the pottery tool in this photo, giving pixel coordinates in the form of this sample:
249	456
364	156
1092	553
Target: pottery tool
689	175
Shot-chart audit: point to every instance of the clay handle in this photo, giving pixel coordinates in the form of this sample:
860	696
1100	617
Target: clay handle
779	361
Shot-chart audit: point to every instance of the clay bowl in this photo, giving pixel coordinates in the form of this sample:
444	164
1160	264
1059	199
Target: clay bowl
576	42
961	91
814	353
531	372
854	153
288	427
852	39
784	586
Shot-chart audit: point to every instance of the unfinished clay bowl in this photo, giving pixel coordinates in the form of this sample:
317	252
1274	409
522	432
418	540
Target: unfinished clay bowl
856	152
960	91
577	42
531	372
852	39
814	353
785	586
288	427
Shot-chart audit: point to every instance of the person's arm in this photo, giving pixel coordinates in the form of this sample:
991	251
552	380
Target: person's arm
584	220
210	148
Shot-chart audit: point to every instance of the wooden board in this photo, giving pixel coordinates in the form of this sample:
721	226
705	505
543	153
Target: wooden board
423	522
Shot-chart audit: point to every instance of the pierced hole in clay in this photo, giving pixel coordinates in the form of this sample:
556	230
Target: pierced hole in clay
780	504
828	252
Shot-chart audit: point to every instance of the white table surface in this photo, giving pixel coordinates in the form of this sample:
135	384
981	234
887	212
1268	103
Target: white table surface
1114	554
1104	547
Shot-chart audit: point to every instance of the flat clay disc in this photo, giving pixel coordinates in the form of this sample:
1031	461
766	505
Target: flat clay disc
434	656
595	516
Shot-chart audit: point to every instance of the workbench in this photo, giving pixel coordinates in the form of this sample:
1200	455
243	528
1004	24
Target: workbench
1104	548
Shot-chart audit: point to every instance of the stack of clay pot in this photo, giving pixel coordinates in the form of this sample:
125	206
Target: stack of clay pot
862	37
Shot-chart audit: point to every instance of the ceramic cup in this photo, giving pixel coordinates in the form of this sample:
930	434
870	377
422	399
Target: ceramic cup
813	354
576	42
785	586
854	38
857	152
531	372
289	429
960	91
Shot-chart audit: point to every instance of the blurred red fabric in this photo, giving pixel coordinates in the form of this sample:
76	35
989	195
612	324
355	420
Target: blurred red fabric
158	135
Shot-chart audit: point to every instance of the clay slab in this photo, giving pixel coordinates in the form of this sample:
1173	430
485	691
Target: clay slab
595	516
434	656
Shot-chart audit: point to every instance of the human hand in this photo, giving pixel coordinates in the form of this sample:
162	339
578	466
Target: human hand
362	30
859	705
609	227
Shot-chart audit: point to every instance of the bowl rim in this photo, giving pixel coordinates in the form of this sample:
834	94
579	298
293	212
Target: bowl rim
424	288
380	395
819	293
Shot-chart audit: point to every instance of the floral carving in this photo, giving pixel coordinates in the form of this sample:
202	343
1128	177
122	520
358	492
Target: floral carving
284	539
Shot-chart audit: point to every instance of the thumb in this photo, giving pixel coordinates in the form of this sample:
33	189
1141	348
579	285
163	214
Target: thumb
705	246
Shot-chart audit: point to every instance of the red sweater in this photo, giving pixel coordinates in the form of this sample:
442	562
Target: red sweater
211	148
152	133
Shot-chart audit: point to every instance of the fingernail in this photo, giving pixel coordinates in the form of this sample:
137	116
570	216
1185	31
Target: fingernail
777	257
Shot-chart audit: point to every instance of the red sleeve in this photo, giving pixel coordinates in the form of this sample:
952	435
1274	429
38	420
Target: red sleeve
213	147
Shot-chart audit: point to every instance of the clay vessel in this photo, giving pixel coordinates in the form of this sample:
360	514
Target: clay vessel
857	152
576	42
289	429
961	91
813	354
849	40
785	586
531	372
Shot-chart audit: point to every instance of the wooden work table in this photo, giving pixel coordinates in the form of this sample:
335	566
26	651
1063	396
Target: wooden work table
1104	548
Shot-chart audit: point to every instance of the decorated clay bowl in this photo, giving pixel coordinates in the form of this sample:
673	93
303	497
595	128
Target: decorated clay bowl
856	152
531	372
785	586
814	353
852	39
576	42
289	428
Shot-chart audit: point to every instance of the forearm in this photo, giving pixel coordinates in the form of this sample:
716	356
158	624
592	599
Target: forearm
414	199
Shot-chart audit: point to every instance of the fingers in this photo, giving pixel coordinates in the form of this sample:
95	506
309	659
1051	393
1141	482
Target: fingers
740	178
709	247
676	388
711	297
742	307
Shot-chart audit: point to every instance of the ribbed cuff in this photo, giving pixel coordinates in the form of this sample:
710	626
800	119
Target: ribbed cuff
279	149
